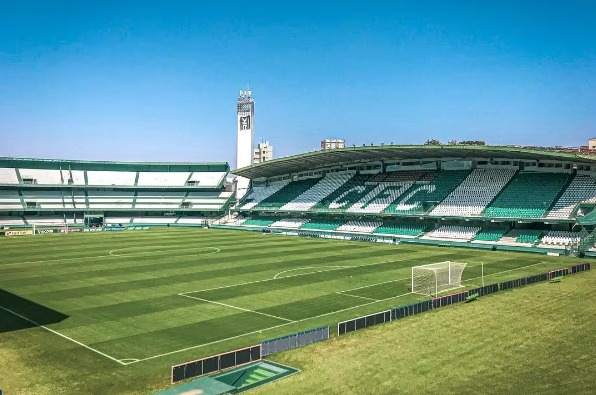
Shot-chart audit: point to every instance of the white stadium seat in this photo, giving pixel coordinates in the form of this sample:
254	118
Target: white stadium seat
453	232
474	193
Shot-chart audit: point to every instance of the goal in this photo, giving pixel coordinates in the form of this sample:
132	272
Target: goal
438	277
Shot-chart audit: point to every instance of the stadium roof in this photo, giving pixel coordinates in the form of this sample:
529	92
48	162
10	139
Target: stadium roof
51	164
353	155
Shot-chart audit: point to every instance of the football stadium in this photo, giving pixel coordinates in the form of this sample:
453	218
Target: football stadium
121	277
425	225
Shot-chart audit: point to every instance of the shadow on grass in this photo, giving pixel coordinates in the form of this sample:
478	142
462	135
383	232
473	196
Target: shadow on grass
38	314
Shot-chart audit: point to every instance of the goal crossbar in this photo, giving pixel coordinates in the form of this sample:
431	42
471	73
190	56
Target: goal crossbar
435	278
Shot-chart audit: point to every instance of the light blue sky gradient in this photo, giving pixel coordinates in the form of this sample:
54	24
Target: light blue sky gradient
158	80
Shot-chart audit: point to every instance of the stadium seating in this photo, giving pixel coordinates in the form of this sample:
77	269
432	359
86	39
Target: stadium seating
45	220
581	189
10	199
346	195
406	229
154	220
453	232
191	220
528	195
237	221
259	221
380	197
317	192
43	199
359	226
292	223
474	193
490	234
421	195
117	220
560	238
109	199
261	192
12	221
286	194
528	236
323	224
207	200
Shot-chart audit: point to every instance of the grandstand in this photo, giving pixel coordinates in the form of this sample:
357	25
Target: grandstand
60	192
501	196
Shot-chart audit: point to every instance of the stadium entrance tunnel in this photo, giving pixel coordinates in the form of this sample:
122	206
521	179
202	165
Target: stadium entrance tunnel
17	313
234	381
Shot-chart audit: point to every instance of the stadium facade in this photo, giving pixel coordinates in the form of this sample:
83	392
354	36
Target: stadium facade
89	193
481	196
474	196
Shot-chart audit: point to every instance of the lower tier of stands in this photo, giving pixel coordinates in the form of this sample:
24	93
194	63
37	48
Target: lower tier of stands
409	229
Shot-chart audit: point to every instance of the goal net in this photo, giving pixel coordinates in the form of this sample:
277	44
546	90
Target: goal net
435	278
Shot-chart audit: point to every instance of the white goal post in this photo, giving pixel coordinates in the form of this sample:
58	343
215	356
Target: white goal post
438	277
50	227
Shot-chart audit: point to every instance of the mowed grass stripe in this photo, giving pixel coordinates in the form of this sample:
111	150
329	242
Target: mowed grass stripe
141	315
136	346
115	284
93	263
195	263
223	294
42	258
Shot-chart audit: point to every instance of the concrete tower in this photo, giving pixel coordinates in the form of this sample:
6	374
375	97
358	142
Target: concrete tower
245	111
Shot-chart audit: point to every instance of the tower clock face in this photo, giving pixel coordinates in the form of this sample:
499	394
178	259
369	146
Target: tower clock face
245	123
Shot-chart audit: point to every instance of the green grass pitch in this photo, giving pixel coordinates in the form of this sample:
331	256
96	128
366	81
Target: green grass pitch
119	308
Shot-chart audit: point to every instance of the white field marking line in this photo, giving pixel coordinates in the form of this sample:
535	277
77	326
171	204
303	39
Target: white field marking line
308	267
141	253
354	296
297	321
269	328
63	336
375	284
295	275
236	307
77	258
127	361
95	256
473	278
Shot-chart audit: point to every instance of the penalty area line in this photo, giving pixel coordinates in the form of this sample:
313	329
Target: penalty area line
288	323
355	296
237	308
66	337
268	328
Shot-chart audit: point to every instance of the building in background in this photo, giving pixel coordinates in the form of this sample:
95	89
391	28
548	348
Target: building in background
592	143
245	111
263	152
332	143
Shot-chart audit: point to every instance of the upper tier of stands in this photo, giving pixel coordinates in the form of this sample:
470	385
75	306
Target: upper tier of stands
420	197
474	193
287	193
310	197
581	189
528	195
261	192
490	193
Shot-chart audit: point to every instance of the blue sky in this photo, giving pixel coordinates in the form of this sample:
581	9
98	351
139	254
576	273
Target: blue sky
158	81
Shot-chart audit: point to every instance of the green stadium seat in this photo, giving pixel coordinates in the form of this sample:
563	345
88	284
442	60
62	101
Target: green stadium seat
528	195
